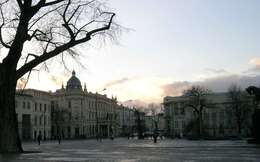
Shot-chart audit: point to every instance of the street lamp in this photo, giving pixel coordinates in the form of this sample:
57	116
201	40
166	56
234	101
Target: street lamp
97	122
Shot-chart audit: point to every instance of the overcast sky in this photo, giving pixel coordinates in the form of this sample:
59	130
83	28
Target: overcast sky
171	44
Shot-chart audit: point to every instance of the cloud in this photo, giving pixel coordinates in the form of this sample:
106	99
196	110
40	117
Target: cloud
216	84
216	71
58	79
256	63
135	103
146	89
175	88
116	82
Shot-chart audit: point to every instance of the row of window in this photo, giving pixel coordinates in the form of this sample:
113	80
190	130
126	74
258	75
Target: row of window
27	105
42	107
92	116
42	120
92	104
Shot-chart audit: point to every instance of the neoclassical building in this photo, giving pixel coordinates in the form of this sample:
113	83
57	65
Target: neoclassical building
70	112
79	113
218	118
33	113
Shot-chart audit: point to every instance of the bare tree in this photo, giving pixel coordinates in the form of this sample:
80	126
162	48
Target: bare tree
240	105
140	124
153	108
197	101
255	92
34	31
60	119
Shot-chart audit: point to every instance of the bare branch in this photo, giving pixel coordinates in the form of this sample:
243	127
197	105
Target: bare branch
52	47
1	26
66	23
51	3
106	27
78	7
45	14
42	3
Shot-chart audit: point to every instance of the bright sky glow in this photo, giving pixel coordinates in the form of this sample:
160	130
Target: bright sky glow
170	41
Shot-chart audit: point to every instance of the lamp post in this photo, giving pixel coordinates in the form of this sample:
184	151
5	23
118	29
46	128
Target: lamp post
96	114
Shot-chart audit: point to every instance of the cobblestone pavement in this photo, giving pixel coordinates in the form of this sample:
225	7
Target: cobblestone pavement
123	150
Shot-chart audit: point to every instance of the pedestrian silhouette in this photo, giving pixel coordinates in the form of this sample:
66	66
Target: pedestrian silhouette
59	139
39	138
155	135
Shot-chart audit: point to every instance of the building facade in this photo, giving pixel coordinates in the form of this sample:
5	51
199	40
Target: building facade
33	114
126	120
218	118
70	112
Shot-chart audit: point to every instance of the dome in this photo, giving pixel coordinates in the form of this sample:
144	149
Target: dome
73	82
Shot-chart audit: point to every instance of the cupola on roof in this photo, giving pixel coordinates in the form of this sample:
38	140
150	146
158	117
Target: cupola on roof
73	82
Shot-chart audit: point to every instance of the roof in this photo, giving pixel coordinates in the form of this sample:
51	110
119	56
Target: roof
73	82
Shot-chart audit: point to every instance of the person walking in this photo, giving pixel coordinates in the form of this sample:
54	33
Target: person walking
39	138
59	139
155	135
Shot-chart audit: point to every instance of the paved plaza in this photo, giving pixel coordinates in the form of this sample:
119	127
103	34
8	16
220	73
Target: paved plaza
123	150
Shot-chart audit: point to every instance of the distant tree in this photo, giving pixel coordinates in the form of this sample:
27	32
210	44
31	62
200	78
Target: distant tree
154	108
240	105
197	101
60	117
255	91
140	124
34	31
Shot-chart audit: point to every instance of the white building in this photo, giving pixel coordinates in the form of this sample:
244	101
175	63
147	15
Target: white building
70	112
219	119
155	122
126	119
33	114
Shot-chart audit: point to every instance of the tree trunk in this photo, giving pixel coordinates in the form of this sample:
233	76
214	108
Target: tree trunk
9	137
200	125
239	125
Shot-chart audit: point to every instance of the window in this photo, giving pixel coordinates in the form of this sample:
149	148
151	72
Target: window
23	104
35	106
35	120
177	109
69	104
182	110
45	107
40	107
44	120
52	105
28	105
41	120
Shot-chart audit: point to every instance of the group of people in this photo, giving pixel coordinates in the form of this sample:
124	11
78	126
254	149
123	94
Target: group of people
153	135
39	139
99	137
